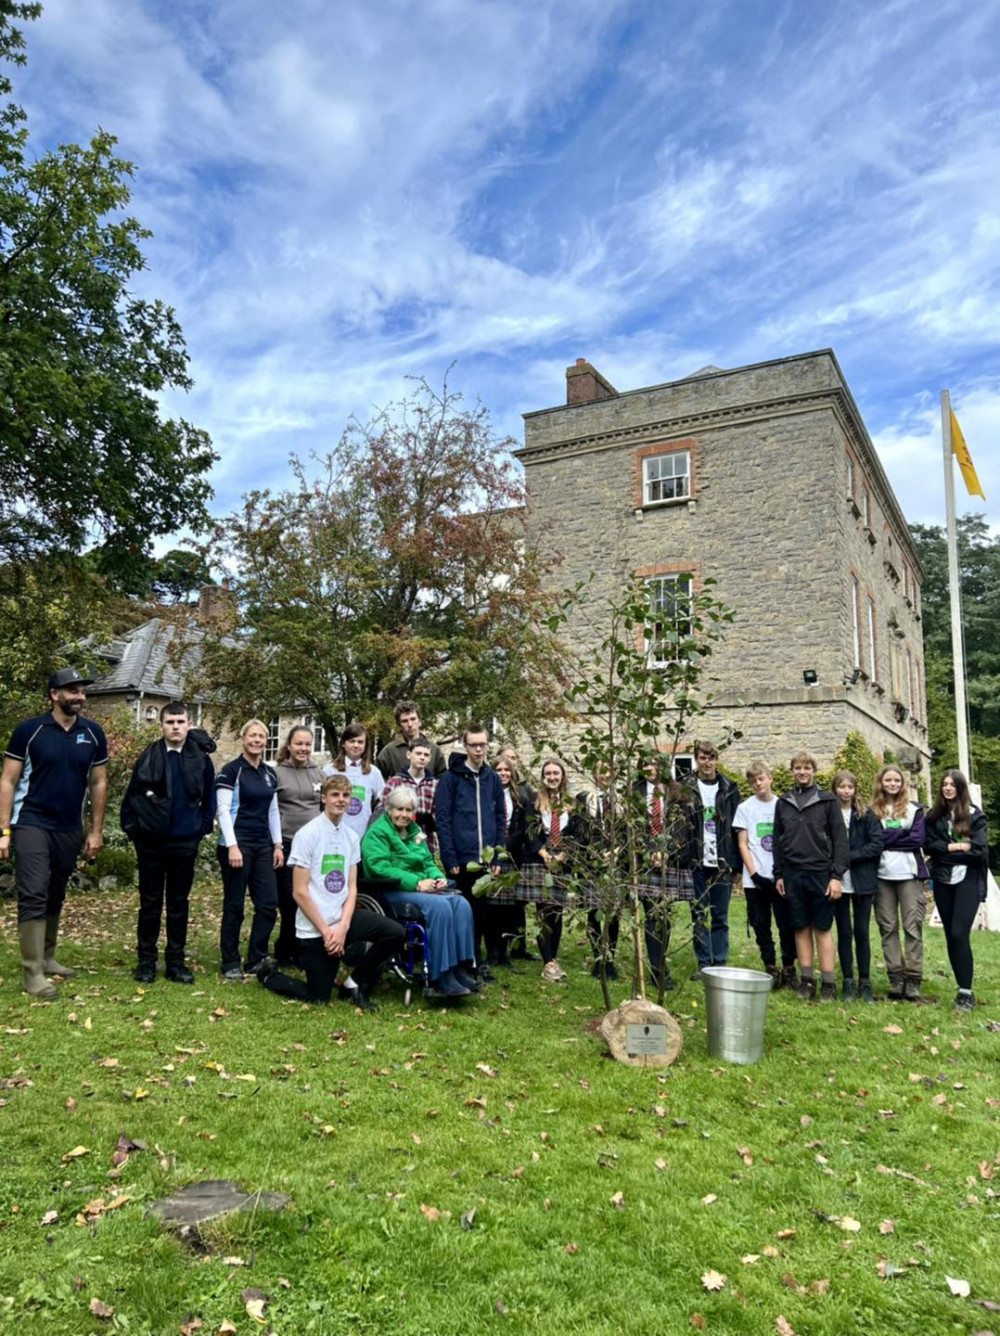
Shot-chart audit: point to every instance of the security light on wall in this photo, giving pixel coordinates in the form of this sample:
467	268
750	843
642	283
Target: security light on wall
810	677
851	679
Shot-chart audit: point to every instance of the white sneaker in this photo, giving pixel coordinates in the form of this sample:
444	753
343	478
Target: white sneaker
553	972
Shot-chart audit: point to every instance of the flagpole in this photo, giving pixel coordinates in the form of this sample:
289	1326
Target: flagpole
954	589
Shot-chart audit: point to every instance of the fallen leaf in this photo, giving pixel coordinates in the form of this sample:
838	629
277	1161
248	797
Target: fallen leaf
75	1154
191	1326
618	1200
109	1062
960	1287
852	1226
101	1310
571	1248
661	1164
233	1261
888	1270
805	1120
744	1153
713	1280
819	1286
468	1218
475	1104
785	1234
783	1327
70	1104
750	1259
790	1283
486	1069
285	1284
709	1199
255	1309
227	1328
940	1099
697	1320
49	1218
887	1227
771	1251
430	1213
892	1029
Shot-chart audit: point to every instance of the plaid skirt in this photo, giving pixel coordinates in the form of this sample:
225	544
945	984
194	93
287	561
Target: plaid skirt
677	884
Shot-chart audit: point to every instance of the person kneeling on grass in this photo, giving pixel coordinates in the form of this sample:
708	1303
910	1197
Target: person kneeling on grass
394	848
329	927
810	857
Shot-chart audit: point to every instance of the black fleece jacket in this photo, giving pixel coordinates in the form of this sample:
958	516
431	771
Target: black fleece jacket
809	833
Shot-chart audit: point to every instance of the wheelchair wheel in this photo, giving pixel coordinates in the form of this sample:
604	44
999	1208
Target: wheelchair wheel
369	902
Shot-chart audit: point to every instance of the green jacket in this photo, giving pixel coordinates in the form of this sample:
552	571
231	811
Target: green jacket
386	853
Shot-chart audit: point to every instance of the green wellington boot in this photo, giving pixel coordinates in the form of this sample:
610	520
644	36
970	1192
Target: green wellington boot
32	935
49	964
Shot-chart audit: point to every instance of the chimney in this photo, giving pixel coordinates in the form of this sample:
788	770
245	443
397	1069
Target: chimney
585	384
215	603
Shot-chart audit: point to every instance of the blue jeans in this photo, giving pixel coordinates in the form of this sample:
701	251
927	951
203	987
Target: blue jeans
449	926
712	890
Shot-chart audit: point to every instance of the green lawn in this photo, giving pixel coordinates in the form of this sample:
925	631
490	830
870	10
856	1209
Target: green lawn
508	1106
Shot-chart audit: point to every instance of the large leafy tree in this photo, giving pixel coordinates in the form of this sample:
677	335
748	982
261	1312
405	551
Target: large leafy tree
87	457
396	566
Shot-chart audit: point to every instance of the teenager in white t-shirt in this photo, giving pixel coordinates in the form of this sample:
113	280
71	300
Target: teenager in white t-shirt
329	927
355	761
754	827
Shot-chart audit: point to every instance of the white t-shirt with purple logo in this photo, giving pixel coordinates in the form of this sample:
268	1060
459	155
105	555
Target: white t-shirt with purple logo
366	790
757	819
329	852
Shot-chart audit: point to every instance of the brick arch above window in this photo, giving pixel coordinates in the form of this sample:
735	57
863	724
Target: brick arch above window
645	484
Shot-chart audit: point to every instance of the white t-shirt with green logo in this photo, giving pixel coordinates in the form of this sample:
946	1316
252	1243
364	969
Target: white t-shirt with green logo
757	819
329	852
365	793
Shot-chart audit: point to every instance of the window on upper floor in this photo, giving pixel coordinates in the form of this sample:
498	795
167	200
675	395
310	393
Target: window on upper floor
872	649
666	477
866	506
850	476
273	739
318	732
855	596
670	616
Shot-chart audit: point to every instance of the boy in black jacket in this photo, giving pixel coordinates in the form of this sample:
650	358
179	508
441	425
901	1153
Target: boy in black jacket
810	857
168	807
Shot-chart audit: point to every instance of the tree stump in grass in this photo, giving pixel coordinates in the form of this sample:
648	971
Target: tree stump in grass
642	1034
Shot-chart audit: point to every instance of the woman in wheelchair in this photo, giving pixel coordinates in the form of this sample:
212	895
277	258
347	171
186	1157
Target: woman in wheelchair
395	849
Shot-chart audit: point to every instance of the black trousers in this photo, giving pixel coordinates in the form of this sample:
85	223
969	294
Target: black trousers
859	909
488	921
256	876
166	872
372	939
286	945
958	907
656	929
43	863
761	905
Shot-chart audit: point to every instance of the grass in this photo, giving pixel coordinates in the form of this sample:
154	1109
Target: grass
508	1106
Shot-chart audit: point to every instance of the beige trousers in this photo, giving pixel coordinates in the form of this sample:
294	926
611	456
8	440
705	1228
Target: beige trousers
895	900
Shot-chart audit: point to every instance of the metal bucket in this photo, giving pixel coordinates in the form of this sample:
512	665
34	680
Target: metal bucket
736	1008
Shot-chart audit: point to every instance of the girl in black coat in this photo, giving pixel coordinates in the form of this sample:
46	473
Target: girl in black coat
555	826
512	928
955	843
860	885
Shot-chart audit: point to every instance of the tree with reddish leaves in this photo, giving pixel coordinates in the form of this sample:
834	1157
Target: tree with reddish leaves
395	567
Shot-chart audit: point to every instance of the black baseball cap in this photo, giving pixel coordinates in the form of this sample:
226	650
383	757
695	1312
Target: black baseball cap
68	677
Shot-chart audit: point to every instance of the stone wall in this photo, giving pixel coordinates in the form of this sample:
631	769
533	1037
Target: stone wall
788	504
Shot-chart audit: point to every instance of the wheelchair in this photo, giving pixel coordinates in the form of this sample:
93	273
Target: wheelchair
413	960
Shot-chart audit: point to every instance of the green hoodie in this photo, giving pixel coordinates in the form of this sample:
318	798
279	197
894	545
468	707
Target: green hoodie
386	853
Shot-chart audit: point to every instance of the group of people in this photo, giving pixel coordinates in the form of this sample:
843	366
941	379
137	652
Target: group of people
421	829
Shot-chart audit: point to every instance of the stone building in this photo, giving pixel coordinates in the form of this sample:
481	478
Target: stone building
765	479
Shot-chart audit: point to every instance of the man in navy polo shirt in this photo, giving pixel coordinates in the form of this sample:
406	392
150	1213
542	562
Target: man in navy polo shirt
48	767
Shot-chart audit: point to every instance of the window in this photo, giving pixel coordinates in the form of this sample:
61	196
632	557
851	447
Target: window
850	476
273	738
872	656
683	764
318	732
670	614
856	619
666	477
866	506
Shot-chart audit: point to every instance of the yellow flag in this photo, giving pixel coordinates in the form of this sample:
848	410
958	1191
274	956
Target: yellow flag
961	452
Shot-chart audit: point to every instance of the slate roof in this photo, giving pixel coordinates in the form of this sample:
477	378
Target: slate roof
143	660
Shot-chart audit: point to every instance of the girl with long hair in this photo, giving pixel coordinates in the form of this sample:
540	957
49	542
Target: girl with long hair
300	780
956	842
512	917
354	759
554	826
852	912
901	876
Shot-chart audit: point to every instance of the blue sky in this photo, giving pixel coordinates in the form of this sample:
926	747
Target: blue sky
343	194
